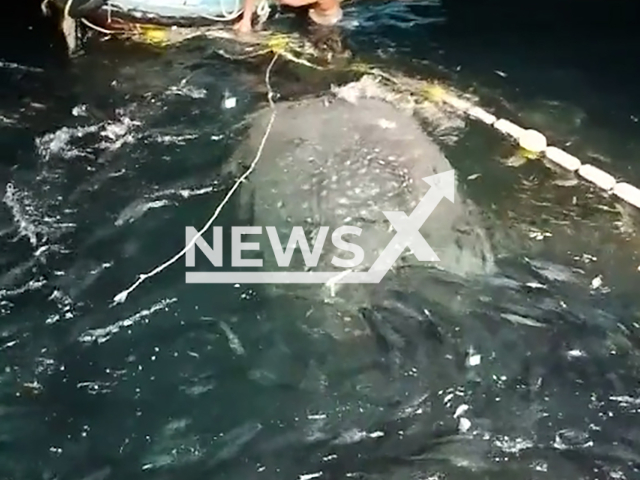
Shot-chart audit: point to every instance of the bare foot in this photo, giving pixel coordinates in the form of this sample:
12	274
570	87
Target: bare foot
243	26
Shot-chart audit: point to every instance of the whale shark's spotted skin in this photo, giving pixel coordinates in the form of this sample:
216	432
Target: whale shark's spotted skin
333	162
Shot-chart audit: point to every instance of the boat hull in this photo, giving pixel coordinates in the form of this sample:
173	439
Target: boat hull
80	8
127	14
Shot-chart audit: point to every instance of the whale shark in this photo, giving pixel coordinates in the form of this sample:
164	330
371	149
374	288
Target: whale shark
345	158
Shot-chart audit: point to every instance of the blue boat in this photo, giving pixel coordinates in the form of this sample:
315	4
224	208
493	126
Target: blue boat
190	13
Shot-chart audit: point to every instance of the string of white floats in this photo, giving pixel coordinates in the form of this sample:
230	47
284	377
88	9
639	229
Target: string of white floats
535	142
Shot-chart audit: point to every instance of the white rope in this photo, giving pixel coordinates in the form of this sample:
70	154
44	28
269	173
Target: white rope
263	11
122	296
227	16
67	8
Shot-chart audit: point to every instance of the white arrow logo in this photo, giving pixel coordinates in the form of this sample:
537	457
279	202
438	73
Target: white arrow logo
408	228
407	236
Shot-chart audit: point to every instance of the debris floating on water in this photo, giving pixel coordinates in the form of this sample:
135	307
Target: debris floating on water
234	341
517	319
229	102
309	476
461	410
464	425
474	360
596	282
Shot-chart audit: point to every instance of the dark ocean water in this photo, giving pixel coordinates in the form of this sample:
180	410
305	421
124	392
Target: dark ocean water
533	374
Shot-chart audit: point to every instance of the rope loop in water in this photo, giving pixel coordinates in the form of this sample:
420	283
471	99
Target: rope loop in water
122	296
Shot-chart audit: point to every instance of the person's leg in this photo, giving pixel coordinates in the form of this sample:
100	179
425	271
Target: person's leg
296	3
244	24
322	12
326	12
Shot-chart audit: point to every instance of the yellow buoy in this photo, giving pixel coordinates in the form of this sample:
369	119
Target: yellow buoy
532	141
155	35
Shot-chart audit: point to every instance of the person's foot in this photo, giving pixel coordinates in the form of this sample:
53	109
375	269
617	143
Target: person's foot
325	17
243	26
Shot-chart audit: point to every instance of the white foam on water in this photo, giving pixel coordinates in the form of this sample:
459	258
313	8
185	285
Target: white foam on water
232	338
168	139
66	307
41	212
17	66
115	134
66	141
8	121
79	110
27	287
101	335
30	217
186	193
60	142
513	445
34	220
137	209
185	90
